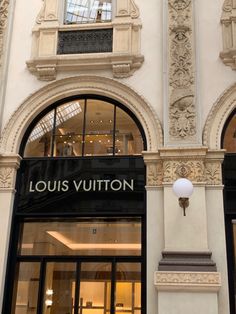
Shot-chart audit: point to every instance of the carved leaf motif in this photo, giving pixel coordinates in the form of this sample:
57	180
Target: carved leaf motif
154	175
213	174
6	178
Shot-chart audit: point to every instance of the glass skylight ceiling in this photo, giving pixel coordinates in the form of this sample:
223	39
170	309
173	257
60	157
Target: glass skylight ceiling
88	11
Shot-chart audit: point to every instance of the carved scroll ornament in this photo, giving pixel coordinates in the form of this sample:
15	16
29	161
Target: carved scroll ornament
182	112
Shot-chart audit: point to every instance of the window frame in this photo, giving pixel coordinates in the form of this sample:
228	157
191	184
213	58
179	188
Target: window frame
84	97
86	23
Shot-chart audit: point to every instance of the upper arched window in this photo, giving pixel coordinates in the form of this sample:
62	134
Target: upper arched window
229	134
84	127
88	11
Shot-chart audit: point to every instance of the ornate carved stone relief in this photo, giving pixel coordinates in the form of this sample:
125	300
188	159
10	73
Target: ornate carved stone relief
199	166
6	178
187	280
154	174
213	173
4	5
191	169
182	111
228	55
8	166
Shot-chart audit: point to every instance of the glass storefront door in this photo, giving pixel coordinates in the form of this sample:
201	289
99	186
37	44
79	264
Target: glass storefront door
79	266
78	288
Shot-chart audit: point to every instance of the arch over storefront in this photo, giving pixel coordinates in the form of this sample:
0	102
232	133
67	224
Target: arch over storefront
78	85
217	118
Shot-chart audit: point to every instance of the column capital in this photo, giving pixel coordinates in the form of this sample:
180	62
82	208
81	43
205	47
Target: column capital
9	163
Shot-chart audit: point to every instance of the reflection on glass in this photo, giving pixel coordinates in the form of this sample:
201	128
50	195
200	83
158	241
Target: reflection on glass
95	288
88	11
85	127
26	285
117	236
128	288
69	129
39	143
229	141
59	287
99	128
128	139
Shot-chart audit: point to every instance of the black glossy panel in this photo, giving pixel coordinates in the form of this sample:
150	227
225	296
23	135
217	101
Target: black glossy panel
105	185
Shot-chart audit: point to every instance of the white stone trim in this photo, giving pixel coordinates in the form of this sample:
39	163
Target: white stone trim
217	117
123	61
78	85
187	281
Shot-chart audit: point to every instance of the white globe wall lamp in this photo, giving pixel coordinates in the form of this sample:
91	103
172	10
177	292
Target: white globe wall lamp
183	189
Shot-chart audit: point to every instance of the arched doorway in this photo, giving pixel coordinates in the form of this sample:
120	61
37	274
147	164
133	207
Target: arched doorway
79	217
228	142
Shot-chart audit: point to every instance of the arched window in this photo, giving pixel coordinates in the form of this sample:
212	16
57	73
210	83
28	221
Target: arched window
88	11
84	127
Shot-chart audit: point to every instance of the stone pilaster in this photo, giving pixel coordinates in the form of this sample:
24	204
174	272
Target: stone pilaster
8	168
181	118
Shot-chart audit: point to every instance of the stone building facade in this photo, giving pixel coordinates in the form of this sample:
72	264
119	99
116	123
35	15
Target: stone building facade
171	65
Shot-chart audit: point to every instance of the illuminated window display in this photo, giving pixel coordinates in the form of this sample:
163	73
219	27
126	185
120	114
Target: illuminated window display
79	231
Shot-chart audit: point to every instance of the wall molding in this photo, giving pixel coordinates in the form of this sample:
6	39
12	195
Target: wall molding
187	281
217	118
123	61
80	85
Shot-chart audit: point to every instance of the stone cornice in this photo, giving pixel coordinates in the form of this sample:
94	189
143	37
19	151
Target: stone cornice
187	281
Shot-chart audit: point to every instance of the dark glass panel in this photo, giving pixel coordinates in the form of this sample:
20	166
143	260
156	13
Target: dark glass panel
99	128
39	143
88	11
59	290
85	237
27	285
128	137
128	288
229	141
69	129
95	288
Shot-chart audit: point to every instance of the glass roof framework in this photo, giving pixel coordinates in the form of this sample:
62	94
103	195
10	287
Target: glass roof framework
88	11
45	125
